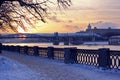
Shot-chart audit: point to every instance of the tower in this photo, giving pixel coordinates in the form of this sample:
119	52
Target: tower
56	39
89	27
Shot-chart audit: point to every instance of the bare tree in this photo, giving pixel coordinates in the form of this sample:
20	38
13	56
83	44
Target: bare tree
14	13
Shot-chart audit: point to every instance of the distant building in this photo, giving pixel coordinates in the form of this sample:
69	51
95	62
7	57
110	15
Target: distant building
103	32
89	27
114	40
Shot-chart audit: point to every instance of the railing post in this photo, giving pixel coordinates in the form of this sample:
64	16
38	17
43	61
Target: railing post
70	55
50	52
104	58
3	47
17	49
36	50
12	48
0	48
26	50
8	48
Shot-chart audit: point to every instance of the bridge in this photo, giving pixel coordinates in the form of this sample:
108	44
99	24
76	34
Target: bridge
71	38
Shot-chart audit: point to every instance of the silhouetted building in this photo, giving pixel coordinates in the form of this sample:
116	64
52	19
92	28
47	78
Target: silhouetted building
103	32
89	27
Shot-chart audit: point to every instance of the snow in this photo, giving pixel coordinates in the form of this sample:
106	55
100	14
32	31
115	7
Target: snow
23	67
12	70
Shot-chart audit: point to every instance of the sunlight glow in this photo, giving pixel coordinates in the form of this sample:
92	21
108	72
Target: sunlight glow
20	30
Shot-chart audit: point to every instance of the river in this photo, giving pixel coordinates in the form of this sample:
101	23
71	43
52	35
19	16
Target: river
84	46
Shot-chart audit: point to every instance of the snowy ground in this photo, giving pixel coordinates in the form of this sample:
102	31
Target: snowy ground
24	67
12	70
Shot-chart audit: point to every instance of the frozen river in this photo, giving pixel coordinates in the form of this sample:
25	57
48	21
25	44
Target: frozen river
88	45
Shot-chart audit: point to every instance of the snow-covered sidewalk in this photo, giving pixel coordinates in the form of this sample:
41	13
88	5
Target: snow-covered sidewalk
12	70
37	68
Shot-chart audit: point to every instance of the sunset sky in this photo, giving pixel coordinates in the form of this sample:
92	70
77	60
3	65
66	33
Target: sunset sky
100	13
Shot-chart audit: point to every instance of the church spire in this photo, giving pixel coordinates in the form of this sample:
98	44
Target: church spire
89	27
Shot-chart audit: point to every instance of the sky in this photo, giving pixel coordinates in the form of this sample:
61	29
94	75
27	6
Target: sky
99	13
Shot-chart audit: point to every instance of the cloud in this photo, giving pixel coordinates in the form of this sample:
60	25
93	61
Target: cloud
82	8
55	19
72	28
96	4
102	24
70	21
